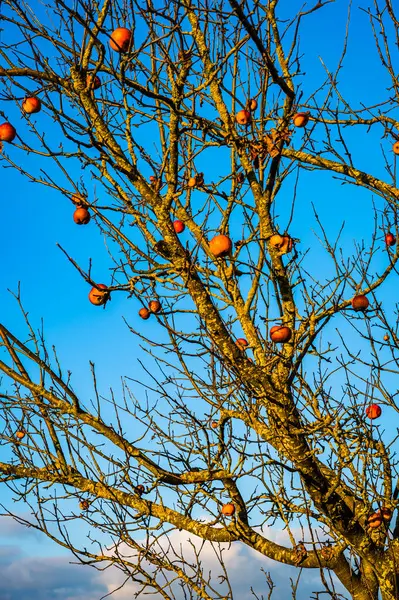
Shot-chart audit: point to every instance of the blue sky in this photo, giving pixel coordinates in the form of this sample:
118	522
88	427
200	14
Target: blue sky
36	218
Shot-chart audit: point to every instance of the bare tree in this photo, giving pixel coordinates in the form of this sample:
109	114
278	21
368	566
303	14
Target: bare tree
196	115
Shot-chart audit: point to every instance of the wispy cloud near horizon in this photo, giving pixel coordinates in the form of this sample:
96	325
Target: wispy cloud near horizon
25	576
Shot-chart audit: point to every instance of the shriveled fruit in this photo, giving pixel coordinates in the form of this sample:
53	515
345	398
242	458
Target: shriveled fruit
78	199
360	302
373	411
162	248
99	296
120	39
81	216
7	132
374	521
139	489
282	243
228	509
155	183
327	552
252	104
154	306
144	313
385	513
31	105
184	55
196	181
84	504
220	245
280	334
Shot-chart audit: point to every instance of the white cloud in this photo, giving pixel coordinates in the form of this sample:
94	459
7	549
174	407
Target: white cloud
53	578
242	563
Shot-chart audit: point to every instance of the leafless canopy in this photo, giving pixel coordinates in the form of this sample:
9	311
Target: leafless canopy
203	115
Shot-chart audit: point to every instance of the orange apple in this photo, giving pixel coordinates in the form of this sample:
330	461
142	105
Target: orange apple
373	411
220	245
280	334
360	302
301	119
120	39
7	132
154	306
31	105
144	313
96	83
99	295
242	343
390	239
81	216
243	117
228	509
178	226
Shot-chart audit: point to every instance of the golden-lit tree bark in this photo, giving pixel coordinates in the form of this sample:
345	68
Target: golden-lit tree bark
267	432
